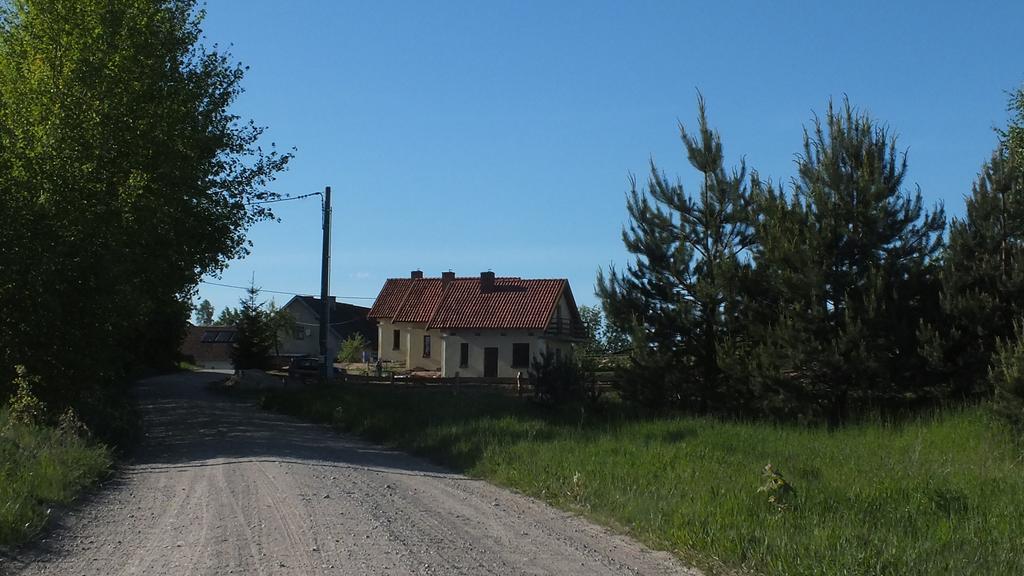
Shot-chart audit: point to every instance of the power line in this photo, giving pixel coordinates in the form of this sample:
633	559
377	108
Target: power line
281	292
285	199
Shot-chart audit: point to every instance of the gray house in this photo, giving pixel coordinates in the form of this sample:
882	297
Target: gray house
303	338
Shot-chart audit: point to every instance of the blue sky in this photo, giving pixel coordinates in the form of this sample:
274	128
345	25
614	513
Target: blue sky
500	136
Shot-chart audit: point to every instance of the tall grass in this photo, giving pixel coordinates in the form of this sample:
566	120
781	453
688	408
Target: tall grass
41	466
943	494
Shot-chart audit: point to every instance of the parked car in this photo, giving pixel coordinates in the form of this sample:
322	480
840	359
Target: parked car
306	367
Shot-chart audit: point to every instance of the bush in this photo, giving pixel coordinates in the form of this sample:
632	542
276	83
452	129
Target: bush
41	466
352	348
559	380
1007	378
25	407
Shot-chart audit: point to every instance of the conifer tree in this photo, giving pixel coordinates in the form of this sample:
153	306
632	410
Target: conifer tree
982	278
256	334
678	297
845	273
1006	376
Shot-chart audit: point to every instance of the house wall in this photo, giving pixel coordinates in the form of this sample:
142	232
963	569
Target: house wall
412	335
503	341
309	344
213	355
385	347
410	352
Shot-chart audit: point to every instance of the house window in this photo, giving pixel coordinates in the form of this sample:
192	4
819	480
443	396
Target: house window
300	332
521	355
464	355
426	346
396	336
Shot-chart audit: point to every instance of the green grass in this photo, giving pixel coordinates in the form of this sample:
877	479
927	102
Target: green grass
40	467
943	494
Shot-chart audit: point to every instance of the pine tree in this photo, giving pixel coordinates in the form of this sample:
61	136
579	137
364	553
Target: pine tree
204	313
846	272
256	337
677	298
982	278
1006	376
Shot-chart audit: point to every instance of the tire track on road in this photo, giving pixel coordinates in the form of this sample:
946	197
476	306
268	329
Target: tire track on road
253	492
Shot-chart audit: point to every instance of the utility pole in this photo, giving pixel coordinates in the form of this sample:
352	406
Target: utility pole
325	272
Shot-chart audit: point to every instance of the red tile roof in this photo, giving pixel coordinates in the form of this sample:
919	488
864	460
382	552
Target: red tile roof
421	300
513	303
390	298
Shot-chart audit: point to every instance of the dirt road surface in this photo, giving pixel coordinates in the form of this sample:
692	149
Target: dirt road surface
219	487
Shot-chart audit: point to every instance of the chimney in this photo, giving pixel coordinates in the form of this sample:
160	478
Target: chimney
447	277
486	282
416	274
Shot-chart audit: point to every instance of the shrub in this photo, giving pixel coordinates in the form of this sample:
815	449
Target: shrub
1007	378
559	380
352	348
25	407
781	493
71	426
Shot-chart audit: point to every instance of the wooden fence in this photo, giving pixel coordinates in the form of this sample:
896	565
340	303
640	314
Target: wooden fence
521	386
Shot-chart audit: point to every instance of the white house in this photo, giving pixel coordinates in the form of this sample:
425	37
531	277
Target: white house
474	327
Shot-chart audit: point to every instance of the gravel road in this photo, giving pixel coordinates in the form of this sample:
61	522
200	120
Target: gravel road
219	487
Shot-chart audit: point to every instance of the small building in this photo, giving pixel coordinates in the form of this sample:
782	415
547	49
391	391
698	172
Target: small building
209	346
303	338
482	326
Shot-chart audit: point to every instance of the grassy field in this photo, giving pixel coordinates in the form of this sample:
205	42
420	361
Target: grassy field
941	495
40	467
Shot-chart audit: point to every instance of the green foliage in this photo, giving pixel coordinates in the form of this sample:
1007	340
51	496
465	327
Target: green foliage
746	300
204	313
938	494
1015	132
561	380
228	317
678	297
25	408
781	493
602	337
352	348
279	322
124	179
39	467
847	270
982	279
257	334
1006	377
70	425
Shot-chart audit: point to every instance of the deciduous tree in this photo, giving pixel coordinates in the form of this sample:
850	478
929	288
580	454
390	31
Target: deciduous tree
124	178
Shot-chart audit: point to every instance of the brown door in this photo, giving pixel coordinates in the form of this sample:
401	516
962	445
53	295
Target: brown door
490	362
